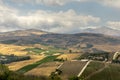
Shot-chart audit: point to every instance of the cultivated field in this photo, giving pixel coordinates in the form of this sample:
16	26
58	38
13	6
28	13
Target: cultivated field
69	56
34	65
44	69
71	68
93	67
110	72
17	65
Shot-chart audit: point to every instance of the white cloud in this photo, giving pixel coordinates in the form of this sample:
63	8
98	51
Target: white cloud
114	24
110	3
50	21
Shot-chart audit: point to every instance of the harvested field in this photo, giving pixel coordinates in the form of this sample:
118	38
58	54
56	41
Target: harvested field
44	69
71	68
17	65
69	56
12	49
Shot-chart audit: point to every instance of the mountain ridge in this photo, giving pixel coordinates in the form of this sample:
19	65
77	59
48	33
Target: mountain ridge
59	40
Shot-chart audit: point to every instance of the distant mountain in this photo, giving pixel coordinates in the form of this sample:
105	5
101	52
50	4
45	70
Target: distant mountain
80	40
23	32
103	30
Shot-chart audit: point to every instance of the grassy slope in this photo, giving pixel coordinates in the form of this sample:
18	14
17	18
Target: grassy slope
112	72
31	66
92	67
102	71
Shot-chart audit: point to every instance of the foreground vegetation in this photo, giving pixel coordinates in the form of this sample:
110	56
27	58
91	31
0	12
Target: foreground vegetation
6	74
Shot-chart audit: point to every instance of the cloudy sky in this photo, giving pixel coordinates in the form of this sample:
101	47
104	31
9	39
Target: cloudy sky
62	16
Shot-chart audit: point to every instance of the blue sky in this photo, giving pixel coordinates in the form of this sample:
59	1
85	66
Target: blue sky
62	16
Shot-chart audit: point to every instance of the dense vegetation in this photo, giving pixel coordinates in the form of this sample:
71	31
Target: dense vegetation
4	59
95	56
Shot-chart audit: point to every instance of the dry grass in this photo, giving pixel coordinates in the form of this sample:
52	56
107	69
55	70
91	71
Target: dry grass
12	49
109	48
44	69
69	56
17	65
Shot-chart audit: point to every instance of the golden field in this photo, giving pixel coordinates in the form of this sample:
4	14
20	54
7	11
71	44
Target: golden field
44	69
17	65
12	49
69	56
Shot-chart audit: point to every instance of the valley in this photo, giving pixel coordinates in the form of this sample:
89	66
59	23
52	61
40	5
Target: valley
60	56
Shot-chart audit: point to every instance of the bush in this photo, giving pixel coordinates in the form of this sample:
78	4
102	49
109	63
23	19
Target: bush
74	78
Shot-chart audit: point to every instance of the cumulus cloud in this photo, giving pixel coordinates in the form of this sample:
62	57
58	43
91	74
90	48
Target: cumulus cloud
114	24
110	3
50	21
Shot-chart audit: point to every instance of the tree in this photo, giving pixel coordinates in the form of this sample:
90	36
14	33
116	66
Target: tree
70	51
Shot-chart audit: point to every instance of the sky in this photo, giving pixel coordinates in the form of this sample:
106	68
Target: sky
61	16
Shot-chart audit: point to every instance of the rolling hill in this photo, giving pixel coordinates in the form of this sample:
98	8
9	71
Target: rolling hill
79	40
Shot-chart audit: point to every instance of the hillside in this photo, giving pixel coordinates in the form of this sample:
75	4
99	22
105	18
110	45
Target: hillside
96	70
77	41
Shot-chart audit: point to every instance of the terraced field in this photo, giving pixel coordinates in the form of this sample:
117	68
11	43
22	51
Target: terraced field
71	68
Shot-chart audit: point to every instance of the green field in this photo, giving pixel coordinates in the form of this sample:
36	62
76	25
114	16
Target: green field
31	66
49	51
34	50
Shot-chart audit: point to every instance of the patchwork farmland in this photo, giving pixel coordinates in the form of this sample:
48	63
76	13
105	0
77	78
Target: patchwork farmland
17	65
34	65
71	68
